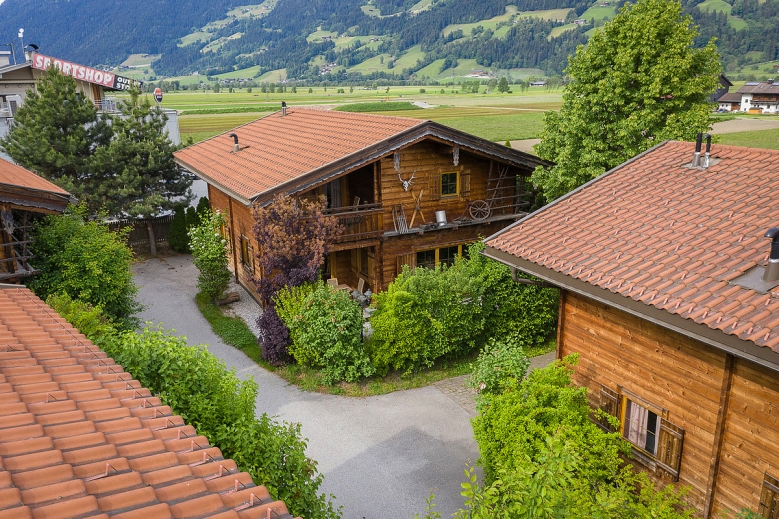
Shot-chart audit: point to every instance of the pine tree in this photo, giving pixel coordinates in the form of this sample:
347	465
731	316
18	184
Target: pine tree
136	174
54	134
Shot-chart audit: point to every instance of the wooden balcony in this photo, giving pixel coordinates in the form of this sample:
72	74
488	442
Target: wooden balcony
359	222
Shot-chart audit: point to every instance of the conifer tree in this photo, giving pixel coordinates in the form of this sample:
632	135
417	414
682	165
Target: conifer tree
55	132
177	234
135	173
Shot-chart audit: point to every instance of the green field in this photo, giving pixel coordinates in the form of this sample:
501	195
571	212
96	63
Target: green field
557	31
768	139
722	6
497	117
492	23
599	13
140	60
195	37
549	14
240	73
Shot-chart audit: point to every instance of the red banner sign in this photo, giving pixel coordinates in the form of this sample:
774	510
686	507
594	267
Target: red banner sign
88	74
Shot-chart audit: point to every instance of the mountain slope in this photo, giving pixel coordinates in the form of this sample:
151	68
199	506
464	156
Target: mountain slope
318	39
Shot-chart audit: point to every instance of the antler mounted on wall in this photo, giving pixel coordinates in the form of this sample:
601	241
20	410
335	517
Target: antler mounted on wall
407	183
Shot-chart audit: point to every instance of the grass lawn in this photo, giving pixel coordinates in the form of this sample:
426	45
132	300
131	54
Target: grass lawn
557	31
240	73
194	37
234	332
598	13
768	139
492	23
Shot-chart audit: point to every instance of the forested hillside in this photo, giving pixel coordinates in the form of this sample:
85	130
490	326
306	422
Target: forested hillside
358	39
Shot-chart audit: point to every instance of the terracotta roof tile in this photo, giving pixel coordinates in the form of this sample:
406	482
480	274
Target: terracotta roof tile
676	249
277	149
80	438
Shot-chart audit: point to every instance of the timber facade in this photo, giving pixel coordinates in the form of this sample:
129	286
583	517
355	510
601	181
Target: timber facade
23	195
670	299
406	192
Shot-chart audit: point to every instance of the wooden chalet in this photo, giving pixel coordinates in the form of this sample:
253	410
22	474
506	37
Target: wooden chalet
669	281
22	195
406	191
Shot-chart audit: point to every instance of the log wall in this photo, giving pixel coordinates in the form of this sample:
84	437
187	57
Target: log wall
663	367
750	445
701	394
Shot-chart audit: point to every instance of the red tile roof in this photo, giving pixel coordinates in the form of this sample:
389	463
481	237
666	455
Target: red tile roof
668	236
13	175
80	438
276	149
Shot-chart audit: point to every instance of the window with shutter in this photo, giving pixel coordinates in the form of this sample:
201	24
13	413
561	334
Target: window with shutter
769	498
645	426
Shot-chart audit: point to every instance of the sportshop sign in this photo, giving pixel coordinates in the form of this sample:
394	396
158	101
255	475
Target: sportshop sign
80	72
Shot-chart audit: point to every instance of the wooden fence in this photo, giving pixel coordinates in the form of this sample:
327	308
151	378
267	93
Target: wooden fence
139	234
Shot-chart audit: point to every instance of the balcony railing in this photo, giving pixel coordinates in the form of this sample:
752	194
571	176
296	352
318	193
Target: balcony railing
359	222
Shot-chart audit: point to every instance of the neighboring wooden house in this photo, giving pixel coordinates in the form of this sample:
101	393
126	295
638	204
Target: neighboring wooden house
372	169
661	270
22	194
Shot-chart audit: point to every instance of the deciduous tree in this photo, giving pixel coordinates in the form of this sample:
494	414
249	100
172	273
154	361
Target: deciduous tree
638	82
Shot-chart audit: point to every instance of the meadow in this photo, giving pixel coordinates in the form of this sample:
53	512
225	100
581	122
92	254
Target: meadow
496	117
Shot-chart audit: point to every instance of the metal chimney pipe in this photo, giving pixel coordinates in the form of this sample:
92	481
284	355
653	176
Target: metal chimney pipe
772	270
697	157
236	148
283	108
708	151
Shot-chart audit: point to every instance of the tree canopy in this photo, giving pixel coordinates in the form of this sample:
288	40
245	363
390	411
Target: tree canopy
55	133
638	82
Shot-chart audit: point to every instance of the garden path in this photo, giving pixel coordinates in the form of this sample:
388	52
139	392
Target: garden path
380	455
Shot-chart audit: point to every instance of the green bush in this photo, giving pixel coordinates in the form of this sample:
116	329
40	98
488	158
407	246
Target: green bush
209	250
86	261
325	325
498	365
425	315
203	207
428	314
177	235
193	218
544	458
200	388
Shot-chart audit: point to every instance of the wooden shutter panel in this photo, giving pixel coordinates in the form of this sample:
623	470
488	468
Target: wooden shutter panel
407	259
669	447
251	256
769	498
434	186
465	183
609	404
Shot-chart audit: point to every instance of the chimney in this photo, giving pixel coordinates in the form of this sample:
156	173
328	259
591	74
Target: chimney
696	159
29	50
772	270
236	148
283	108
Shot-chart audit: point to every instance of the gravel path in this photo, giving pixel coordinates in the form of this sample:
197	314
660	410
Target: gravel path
380	455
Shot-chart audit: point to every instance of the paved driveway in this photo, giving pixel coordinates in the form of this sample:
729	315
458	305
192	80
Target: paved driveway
380	455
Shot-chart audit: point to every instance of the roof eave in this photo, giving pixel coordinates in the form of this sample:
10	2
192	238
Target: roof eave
732	344
380	149
183	164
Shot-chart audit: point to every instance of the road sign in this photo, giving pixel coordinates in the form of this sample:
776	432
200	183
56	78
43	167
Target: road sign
158	95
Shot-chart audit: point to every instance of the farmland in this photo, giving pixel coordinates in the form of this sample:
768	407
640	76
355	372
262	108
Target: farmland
497	117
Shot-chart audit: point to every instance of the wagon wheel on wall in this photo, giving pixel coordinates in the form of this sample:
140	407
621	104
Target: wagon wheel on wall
479	210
